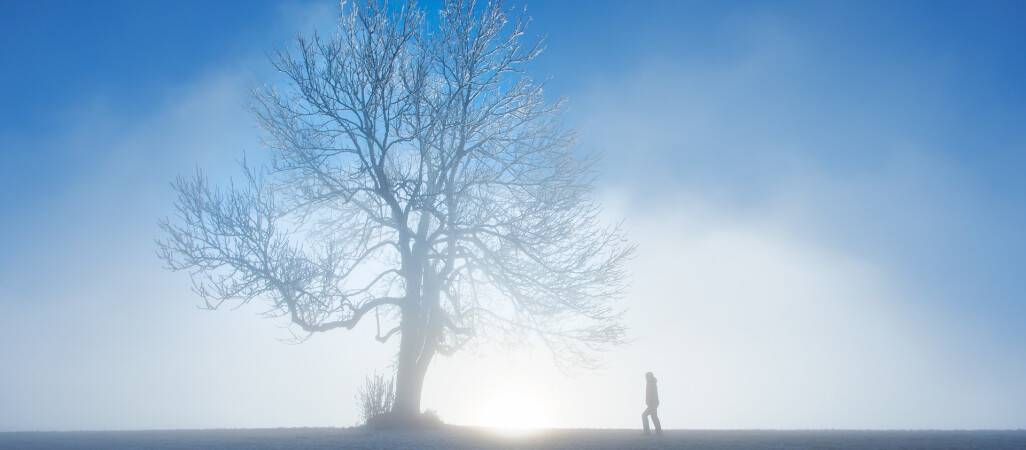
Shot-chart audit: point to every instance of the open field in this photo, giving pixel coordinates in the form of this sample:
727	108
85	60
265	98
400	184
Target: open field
466	437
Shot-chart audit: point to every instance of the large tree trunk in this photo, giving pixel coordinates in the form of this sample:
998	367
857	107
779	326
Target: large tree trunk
416	349
409	385
409	381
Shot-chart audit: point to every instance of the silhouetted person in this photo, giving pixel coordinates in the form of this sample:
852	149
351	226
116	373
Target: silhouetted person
652	400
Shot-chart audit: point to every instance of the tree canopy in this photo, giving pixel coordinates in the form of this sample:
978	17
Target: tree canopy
416	173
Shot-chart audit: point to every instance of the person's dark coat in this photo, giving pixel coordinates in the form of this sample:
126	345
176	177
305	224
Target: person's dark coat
651	392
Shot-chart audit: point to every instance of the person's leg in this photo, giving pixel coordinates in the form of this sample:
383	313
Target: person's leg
644	419
655	421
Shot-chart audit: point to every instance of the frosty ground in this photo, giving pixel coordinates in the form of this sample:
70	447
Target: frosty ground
468	437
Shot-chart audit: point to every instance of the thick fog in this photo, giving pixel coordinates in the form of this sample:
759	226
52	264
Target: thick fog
827	201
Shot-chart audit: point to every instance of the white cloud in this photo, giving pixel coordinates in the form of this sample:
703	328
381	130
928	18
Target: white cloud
787	273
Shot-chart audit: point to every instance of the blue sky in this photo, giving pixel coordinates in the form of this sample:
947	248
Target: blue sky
828	199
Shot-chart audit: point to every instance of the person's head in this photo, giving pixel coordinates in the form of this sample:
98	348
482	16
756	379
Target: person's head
649	376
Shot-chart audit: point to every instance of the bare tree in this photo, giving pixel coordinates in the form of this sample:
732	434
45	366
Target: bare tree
416	174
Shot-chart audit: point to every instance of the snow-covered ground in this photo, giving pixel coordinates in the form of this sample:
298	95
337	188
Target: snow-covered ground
466	437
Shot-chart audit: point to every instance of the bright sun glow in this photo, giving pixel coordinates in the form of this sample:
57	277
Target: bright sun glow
514	412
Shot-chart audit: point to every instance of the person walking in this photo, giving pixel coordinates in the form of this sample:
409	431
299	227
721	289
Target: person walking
652	401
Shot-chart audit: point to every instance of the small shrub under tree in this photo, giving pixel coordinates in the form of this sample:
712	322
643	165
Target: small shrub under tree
375	398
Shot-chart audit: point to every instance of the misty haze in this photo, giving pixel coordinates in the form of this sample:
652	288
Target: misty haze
460	224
